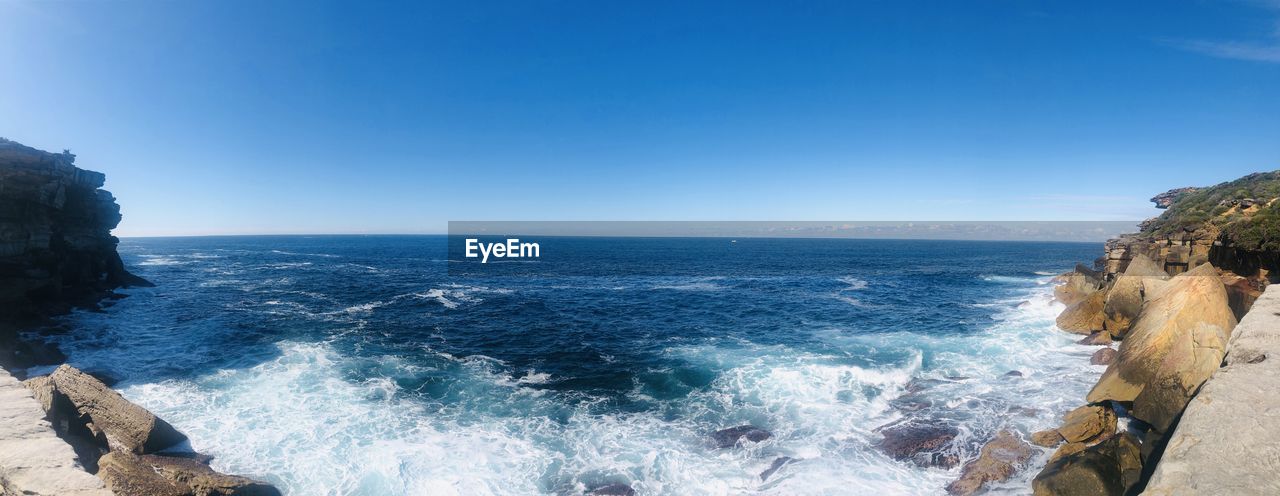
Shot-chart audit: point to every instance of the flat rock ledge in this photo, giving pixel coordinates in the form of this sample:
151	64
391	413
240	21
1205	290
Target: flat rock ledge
34	461
1228	441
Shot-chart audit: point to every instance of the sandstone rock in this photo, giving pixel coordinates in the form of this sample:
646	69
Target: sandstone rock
1066	450
1099	338
33	461
1047	438
128	474
924	445
1166	199
777	464
124	425
56	247
1193	356
728	438
1077	285
1241	292
1124	299
1087	423
997	461
1103	357
1174	317
1108	468
1085	316
1225	441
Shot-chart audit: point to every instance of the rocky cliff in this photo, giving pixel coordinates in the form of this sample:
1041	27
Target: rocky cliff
56	247
1171	296
68	433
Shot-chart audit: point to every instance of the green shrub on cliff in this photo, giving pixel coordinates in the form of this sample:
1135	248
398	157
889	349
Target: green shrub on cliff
1218	207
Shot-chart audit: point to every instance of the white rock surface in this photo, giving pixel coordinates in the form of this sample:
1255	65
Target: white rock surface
1228	441
33	460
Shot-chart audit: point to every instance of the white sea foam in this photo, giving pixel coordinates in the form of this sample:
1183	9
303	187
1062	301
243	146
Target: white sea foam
854	283
300	421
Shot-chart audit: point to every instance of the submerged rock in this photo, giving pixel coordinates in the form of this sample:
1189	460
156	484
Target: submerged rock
613	490
924	445
118	423
777	464
728	438
128	474
997	461
1177	341
1108	468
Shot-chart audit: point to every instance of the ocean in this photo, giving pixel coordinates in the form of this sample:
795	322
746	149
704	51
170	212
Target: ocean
375	365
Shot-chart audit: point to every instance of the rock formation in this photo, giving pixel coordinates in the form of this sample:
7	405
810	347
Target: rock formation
997	461
1174	345
57	253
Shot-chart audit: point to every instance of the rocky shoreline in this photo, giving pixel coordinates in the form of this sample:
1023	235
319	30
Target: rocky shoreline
68	432
1169	303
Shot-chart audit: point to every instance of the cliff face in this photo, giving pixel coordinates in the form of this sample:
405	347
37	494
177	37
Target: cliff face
56	247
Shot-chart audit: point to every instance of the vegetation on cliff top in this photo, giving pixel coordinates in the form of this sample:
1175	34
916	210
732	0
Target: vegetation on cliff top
1243	212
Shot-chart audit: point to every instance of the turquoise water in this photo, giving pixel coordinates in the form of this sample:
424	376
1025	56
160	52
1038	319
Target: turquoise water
374	365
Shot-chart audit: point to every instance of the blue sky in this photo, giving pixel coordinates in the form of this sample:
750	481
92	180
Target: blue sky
317	117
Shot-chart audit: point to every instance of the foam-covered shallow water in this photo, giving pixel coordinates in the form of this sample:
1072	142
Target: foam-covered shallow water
360	365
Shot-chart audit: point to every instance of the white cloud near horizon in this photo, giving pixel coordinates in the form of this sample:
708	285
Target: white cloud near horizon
1256	51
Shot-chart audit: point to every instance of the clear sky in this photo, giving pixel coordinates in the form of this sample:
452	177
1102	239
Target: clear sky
335	117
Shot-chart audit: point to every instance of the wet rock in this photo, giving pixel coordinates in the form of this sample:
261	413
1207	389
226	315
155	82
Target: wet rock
1013	373
1098	338
777	464
122	425
924	445
613	490
997	461
1087	423
128	474
1067	450
1177	341
1085	316
728	438
1108	468
1047	438
1103	357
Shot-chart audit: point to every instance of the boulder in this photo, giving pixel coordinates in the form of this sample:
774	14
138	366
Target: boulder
1111	467
777	464
1077	285
728	438
120	424
1124	299
1047	438
1067	450
997	461
1103	357
1189	317
1084	316
128	474
1087	423
1099	338
924	445
1194	356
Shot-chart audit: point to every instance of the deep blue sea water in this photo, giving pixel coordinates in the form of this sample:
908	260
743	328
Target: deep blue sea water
373	365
